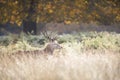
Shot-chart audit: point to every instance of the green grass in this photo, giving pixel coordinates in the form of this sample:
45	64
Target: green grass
83	41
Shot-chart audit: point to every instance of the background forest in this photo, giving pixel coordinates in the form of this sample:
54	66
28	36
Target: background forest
30	12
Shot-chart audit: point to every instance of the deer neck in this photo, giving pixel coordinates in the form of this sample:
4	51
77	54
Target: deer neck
48	50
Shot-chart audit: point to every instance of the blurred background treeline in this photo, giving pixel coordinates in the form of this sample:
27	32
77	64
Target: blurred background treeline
33	15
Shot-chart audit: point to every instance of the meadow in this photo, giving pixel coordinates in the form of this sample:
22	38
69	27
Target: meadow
85	56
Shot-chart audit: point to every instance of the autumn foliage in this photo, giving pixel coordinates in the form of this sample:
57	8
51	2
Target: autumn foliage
67	11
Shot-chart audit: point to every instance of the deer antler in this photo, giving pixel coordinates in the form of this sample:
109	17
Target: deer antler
51	36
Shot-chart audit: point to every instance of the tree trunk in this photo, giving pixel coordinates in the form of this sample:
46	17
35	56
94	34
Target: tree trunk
29	27
29	23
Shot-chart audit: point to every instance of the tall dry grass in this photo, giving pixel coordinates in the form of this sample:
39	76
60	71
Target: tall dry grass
73	62
71	66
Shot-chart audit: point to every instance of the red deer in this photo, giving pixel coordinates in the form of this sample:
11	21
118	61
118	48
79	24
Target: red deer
49	48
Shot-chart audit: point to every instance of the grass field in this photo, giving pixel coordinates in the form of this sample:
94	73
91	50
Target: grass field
85	56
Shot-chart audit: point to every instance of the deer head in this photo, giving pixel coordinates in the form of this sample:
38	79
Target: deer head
52	45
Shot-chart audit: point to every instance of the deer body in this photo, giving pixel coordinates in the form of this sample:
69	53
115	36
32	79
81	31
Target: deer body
49	49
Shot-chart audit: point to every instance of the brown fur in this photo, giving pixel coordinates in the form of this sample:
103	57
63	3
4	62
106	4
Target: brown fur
49	49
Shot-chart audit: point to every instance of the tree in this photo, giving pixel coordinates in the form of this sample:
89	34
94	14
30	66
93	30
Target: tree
104	12
29	12
29	22
20	12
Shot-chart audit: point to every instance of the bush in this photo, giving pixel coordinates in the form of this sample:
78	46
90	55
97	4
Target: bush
103	40
86	40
